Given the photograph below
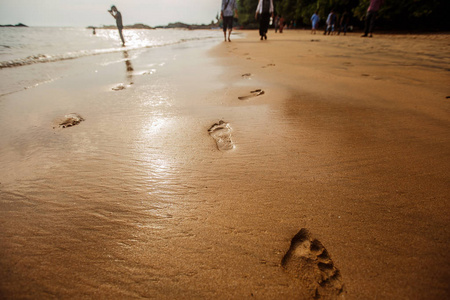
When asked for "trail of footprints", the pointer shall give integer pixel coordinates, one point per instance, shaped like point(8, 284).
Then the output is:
point(308, 261)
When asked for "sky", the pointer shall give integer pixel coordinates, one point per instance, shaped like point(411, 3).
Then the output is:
point(81, 13)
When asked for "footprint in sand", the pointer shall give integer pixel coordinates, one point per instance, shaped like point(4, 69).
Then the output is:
point(254, 93)
point(246, 75)
point(309, 261)
point(221, 133)
point(119, 87)
point(269, 65)
point(71, 120)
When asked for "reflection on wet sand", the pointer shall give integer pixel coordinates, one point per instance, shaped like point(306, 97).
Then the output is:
point(129, 67)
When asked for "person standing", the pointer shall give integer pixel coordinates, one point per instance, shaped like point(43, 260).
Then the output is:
point(227, 13)
point(315, 22)
point(281, 24)
point(343, 23)
point(265, 11)
point(276, 22)
point(371, 15)
point(331, 21)
point(118, 16)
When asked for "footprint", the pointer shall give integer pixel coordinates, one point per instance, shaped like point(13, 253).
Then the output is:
point(365, 75)
point(269, 65)
point(221, 133)
point(309, 261)
point(246, 75)
point(71, 120)
point(119, 87)
point(254, 93)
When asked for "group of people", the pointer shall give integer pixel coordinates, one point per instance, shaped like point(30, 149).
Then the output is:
point(342, 23)
point(332, 22)
point(265, 11)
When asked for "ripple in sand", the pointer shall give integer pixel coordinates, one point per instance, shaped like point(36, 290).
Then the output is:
point(221, 133)
point(309, 261)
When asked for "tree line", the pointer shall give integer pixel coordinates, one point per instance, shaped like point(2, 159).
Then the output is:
point(394, 14)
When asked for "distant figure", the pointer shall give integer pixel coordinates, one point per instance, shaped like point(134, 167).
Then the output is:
point(93, 31)
point(276, 23)
point(118, 16)
point(371, 15)
point(343, 23)
point(265, 11)
point(229, 10)
point(281, 24)
point(315, 22)
point(331, 22)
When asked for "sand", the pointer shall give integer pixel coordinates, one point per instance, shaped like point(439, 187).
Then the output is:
point(180, 185)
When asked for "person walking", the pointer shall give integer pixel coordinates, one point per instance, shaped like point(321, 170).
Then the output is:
point(315, 22)
point(371, 15)
point(265, 11)
point(118, 16)
point(343, 23)
point(331, 21)
point(227, 13)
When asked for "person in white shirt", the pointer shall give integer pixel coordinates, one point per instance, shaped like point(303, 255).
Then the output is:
point(229, 10)
point(265, 11)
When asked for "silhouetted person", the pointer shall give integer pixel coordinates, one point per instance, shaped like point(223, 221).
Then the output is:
point(281, 24)
point(265, 11)
point(118, 16)
point(93, 31)
point(344, 23)
point(276, 23)
point(229, 10)
point(371, 15)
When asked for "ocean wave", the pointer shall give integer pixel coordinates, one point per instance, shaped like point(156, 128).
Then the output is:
point(46, 58)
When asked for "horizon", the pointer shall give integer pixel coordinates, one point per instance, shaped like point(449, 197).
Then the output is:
point(83, 13)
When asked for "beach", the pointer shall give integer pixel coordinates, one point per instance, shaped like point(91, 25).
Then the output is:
point(199, 161)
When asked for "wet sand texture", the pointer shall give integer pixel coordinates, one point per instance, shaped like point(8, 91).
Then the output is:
point(309, 262)
point(145, 206)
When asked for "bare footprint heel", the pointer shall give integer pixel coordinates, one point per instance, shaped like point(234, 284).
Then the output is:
point(309, 261)
point(221, 133)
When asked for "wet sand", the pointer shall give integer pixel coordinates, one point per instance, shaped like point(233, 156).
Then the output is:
point(148, 198)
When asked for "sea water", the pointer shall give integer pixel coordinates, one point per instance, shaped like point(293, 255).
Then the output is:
point(39, 45)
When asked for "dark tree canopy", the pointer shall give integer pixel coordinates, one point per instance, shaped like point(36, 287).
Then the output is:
point(394, 14)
